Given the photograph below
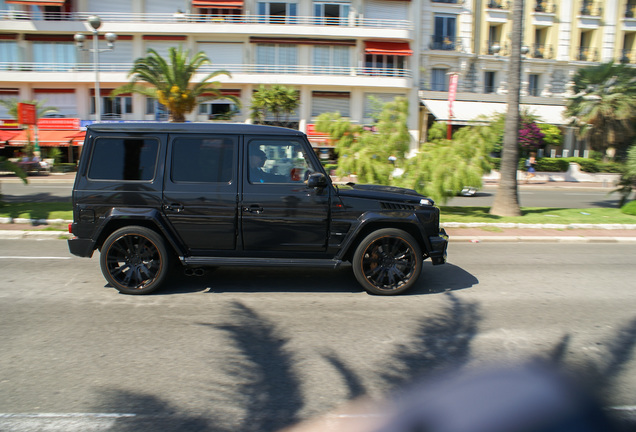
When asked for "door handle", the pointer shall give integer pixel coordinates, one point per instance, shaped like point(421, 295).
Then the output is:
point(174, 207)
point(254, 208)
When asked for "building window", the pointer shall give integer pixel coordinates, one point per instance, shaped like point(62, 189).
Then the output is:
point(277, 56)
point(392, 65)
point(533, 85)
point(277, 13)
point(218, 109)
point(54, 56)
point(323, 102)
point(330, 59)
point(113, 107)
point(489, 82)
point(8, 55)
point(331, 13)
point(153, 107)
point(494, 39)
point(373, 103)
point(439, 79)
point(445, 37)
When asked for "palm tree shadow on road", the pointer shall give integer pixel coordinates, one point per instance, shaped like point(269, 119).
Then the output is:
point(261, 379)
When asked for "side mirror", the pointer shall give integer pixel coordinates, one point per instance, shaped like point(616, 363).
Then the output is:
point(317, 180)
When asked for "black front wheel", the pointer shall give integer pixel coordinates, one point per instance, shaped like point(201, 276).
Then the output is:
point(134, 260)
point(387, 262)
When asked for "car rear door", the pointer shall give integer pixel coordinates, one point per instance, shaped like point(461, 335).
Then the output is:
point(201, 190)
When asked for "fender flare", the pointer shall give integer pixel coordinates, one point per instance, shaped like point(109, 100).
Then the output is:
point(125, 216)
point(382, 220)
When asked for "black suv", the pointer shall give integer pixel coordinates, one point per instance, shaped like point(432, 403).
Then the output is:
point(150, 194)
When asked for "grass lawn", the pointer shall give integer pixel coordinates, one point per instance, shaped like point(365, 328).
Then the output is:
point(539, 215)
point(54, 210)
point(531, 215)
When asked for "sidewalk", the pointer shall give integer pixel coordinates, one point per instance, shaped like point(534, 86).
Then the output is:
point(57, 229)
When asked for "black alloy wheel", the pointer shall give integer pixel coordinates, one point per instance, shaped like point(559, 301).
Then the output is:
point(134, 260)
point(387, 262)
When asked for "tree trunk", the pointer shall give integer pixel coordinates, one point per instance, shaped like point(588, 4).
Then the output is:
point(177, 117)
point(507, 199)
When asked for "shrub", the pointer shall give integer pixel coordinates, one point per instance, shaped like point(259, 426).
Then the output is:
point(551, 165)
point(629, 208)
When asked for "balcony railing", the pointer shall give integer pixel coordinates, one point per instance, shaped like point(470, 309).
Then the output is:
point(591, 9)
point(116, 17)
point(541, 51)
point(587, 54)
point(630, 10)
point(233, 69)
point(544, 6)
point(495, 48)
point(446, 43)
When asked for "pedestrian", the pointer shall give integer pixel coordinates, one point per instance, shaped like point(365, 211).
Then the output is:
point(530, 163)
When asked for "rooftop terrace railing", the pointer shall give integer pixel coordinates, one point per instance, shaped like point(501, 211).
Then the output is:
point(118, 17)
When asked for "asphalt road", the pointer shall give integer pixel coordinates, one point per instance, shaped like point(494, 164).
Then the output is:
point(536, 196)
point(245, 349)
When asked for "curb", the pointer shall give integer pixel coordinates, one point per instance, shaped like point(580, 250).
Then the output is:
point(58, 234)
point(34, 235)
point(541, 239)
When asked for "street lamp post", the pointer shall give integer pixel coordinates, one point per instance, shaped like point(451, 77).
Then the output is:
point(95, 22)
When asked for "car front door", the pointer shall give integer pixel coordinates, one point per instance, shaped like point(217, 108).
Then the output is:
point(280, 215)
point(201, 191)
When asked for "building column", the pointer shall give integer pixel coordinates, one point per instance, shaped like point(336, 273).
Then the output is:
point(304, 108)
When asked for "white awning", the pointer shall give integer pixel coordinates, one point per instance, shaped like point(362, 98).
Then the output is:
point(470, 112)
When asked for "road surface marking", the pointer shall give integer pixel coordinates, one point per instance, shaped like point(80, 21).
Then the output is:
point(35, 257)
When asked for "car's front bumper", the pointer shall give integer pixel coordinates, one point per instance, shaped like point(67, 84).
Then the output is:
point(439, 244)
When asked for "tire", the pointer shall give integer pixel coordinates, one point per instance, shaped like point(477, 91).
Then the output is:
point(387, 262)
point(135, 260)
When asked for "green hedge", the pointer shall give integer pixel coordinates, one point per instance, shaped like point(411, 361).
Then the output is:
point(629, 208)
point(562, 164)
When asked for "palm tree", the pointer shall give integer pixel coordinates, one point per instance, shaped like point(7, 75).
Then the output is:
point(170, 81)
point(507, 199)
point(604, 105)
point(278, 100)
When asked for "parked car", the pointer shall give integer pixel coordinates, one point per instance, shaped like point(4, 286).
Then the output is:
point(149, 195)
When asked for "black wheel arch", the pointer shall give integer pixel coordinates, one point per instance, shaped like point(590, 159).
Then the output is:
point(409, 224)
point(151, 219)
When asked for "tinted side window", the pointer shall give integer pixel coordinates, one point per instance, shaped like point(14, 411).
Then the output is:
point(203, 160)
point(278, 161)
point(124, 159)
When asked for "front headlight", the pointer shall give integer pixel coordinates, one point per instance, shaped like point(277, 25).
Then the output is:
point(427, 202)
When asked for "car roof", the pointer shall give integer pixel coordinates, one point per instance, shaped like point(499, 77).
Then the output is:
point(233, 128)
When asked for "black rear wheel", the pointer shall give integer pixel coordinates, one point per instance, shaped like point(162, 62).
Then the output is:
point(387, 262)
point(134, 260)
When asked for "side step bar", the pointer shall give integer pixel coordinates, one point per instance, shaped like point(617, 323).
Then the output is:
point(259, 262)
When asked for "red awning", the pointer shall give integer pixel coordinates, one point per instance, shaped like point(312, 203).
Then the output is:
point(6, 135)
point(46, 138)
point(388, 48)
point(37, 2)
point(217, 4)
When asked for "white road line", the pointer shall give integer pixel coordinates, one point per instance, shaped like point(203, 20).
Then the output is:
point(67, 415)
point(35, 257)
point(623, 408)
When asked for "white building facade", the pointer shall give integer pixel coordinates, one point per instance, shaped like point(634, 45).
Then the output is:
point(338, 54)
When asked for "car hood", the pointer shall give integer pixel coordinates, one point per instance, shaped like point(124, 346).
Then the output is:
point(384, 193)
